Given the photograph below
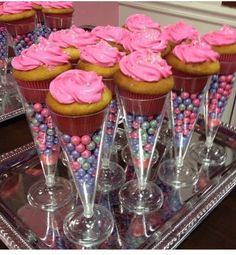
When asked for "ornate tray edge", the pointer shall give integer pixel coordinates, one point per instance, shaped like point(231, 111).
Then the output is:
point(12, 114)
point(10, 237)
point(15, 152)
point(180, 230)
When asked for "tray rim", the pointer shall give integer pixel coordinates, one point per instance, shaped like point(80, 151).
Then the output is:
point(170, 240)
point(12, 114)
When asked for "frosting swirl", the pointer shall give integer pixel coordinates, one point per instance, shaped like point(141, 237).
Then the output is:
point(110, 33)
point(44, 53)
point(145, 39)
point(14, 7)
point(101, 54)
point(225, 36)
point(77, 86)
point(138, 22)
point(180, 31)
point(75, 37)
point(57, 5)
point(196, 52)
point(144, 65)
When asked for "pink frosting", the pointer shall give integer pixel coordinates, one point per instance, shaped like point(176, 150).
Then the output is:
point(57, 5)
point(138, 22)
point(44, 53)
point(145, 39)
point(75, 37)
point(101, 54)
point(196, 52)
point(14, 7)
point(145, 65)
point(77, 86)
point(180, 31)
point(225, 36)
point(110, 33)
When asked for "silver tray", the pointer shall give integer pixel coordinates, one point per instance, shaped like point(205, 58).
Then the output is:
point(181, 213)
point(10, 102)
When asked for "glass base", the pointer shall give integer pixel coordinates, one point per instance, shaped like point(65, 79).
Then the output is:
point(126, 156)
point(215, 156)
point(186, 177)
point(89, 232)
point(141, 201)
point(112, 178)
point(51, 198)
point(120, 139)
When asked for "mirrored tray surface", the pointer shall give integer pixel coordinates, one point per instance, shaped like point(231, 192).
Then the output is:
point(22, 226)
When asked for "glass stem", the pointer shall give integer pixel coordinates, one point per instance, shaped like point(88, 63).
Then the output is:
point(49, 173)
point(3, 72)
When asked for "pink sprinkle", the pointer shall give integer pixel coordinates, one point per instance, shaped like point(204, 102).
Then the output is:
point(85, 139)
point(184, 95)
point(38, 107)
point(80, 148)
point(75, 140)
point(86, 154)
point(178, 129)
point(45, 112)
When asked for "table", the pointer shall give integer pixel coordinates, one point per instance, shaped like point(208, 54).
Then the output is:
point(218, 230)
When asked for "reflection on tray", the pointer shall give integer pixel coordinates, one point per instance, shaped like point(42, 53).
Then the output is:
point(10, 102)
point(182, 210)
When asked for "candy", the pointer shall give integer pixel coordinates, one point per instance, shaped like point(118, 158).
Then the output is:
point(45, 137)
point(83, 158)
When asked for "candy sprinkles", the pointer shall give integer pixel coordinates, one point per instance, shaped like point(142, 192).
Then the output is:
point(24, 41)
point(218, 95)
point(3, 43)
point(186, 107)
point(44, 132)
point(83, 157)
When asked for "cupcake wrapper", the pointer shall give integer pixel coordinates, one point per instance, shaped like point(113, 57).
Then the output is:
point(34, 91)
point(227, 64)
point(82, 125)
point(194, 84)
point(22, 26)
point(58, 21)
point(139, 107)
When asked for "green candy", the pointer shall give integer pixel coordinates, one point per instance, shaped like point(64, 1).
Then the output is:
point(182, 107)
point(144, 138)
point(153, 124)
point(145, 125)
point(151, 131)
point(96, 139)
point(190, 107)
point(81, 160)
point(86, 166)
point(50, 131)
point(91, 146)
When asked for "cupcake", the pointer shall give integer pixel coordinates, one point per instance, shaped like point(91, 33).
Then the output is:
point(143, 75)
point(139, 22)
point(58, 15)
point(37, 6)
point(178, 33)
point(113, 35)
point(72, 40)
point(19, 19)
point(223, 41)
point(77, 93)
point(37, 66)
point(146, 39)
point(15, 12)
point(196, 58)
point(100, 58)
